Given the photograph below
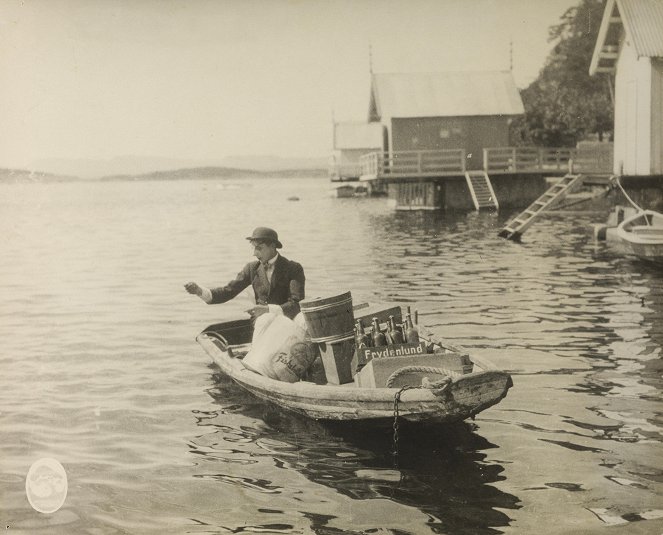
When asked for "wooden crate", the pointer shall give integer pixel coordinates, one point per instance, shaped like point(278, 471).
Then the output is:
point(378, 370)
point(366, 354)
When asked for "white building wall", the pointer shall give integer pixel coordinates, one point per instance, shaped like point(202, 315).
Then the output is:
point(644, 120)
point(624, 74)
point(633, 121)
point(346, 163)
point(657, 117)
point(351, 156)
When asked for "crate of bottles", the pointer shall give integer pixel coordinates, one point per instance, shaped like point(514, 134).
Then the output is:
point(365, 354)
point(385, 337)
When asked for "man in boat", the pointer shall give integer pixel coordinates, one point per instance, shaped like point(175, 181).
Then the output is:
point(278, 283)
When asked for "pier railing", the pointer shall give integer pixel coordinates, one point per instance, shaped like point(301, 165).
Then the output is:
point(420, 163)
point(496, 160)
point(594, 157)
point(526, 159)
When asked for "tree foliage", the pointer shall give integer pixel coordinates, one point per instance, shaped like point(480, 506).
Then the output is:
point(565, 104)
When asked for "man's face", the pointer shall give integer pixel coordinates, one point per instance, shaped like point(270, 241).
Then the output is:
point(263, 251)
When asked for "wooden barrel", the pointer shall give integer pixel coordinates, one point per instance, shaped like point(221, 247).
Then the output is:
point(329, 319)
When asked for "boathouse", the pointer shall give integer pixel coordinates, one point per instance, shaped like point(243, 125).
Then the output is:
point(351, 141)
point(448, 137)
point(445, 110)
point(630, 47)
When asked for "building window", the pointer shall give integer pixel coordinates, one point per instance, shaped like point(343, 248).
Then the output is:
point(444, 133)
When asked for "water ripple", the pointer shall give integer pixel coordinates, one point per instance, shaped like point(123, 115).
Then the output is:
point(101, 370)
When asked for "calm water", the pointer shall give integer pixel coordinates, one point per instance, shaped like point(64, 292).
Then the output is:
point(100, 369)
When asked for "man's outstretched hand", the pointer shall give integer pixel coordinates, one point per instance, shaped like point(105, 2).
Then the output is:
point(193, 288)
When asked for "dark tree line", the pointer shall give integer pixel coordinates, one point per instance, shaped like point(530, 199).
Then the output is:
point(565, 104)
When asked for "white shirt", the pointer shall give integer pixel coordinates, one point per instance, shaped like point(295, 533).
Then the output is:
point(269, 270)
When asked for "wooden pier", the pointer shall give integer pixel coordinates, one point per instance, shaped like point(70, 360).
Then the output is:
point(442, 179)
point(452, 162)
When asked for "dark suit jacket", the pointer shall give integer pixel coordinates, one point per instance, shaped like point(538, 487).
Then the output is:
point(286, 288)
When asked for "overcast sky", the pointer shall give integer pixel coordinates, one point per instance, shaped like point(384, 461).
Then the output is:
point(202, 79)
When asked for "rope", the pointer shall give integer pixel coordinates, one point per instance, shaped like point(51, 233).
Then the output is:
point(437, 387)
point(423, 369)
point(619, 184)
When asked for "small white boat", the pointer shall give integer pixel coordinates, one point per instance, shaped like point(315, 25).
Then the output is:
point(642, 234)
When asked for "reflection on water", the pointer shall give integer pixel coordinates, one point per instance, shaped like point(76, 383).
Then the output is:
point(101, 370)
point(442, 472)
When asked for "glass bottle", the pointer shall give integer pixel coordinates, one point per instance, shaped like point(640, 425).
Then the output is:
point(395, 334)
point(361, 338)
point(358, 338)
point(379, 339)
point(411, 332)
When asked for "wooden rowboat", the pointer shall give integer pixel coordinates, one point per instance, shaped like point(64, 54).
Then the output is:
point(453, 399)
point(642, 234)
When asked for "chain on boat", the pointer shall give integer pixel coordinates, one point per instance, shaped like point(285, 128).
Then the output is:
point(438, 387)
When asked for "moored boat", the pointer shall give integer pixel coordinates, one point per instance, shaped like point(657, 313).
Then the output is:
point(443, 396)
point(642, 234)
point(346, 190)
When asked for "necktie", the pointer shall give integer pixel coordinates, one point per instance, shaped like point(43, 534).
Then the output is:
point(265, 266)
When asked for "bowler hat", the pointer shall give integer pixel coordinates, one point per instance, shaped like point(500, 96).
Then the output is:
point(267, 234)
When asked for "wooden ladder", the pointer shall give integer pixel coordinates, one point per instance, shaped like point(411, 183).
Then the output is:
point(481, 190)
point(517, 226)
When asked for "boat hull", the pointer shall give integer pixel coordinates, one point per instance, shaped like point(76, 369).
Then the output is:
point(653, 253)
point(464, 397)
point(642, 235)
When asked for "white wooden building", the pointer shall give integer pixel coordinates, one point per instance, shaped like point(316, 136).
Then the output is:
point(351, 141)
point(630, 47)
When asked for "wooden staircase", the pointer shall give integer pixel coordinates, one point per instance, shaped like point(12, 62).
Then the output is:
point(481, 190)
point(517, 226)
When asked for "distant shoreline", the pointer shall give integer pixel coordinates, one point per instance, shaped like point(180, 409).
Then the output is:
point(196, 173)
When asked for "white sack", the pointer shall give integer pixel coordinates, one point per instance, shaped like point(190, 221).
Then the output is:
point(279, 349)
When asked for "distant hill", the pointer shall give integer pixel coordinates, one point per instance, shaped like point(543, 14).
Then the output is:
point(274, 163)
point(197, 173)
point(143, 165)
point(192, 173)
point(188, 174)
point(297, 173)
point(23, 175)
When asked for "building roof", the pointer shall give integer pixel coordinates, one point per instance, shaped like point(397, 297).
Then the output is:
point(640, 21)
point(355, 135)
point(444, 94)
